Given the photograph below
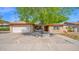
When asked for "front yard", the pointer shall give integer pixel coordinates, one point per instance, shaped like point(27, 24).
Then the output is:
point(72, 35)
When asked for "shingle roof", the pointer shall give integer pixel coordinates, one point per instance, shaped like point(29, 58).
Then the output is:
point(74, 23)
point(20, 23)
point(55, 24)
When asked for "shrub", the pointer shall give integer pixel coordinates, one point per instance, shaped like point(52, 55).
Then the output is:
point(70, 29)
point(4, 28)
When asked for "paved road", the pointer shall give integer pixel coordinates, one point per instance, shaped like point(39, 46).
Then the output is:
point(19, 42)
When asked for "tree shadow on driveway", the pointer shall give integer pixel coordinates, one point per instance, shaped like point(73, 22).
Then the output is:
point(38, 34)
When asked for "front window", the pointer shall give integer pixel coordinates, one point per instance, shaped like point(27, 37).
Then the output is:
point(56, 27)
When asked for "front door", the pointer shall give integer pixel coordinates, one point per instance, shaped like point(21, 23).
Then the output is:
point(37, 27)
point(46, 28)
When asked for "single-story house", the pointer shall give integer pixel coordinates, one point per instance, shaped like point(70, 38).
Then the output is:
point(4, 23)
point(21, 27)
point(25, 27)
point(4, 26)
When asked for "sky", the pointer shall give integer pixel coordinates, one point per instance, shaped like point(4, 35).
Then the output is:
point(74, 17)
point(9, 14)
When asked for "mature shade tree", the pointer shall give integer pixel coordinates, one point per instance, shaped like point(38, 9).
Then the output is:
point(47, 15)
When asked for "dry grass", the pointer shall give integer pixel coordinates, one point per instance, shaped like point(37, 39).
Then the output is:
point(72, 35)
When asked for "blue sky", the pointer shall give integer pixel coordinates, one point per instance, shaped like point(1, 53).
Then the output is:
point(9, 14)
point(74, 17)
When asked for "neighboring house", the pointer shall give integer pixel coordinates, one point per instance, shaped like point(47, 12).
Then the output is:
point(4, 26)
point(4, 23)
point(21, 27)
point(74, 26)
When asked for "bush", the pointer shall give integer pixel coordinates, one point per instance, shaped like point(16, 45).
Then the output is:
point(70, 29)
point(4, 28)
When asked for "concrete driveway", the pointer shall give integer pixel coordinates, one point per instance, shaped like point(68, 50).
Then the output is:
point(20, 42)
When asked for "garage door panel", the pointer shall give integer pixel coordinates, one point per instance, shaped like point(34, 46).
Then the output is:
point(21, 29)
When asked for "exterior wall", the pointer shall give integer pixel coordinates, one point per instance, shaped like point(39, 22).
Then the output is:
point(52, 30)
point(21, 29)
point(65, 28)
point(76, 29)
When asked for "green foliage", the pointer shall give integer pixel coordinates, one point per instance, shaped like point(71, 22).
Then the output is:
point(4, 28)
point(3, 21)
point(48, 15)
point(70, 29)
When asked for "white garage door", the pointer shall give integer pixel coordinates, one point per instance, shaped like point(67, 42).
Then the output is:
point(21, 29)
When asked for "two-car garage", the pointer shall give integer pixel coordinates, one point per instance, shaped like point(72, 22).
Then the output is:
point(21, 27)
